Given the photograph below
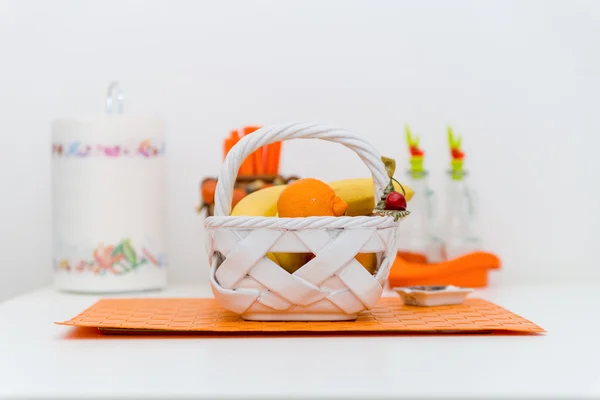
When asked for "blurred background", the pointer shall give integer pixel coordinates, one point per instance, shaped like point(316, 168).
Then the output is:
point(518, 79)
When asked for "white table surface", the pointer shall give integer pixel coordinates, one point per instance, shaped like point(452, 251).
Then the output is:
point(38, 360)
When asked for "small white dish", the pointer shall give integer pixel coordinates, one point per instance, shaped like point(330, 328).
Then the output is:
point(430, 296)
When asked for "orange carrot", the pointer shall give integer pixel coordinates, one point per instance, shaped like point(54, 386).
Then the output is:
point(269, 160)
point(255, 166)
point(265, 159)
point(247, 168)
point(275, 157)
point(230, 142)
point(258, 161)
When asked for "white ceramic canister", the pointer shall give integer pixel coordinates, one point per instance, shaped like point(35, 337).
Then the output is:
point(108, 199)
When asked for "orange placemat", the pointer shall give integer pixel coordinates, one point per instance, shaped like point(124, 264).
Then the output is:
point(390, 315)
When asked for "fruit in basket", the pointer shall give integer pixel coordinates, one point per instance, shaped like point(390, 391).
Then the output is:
point(307, 197)
point(262, 203)
point(310, 197)
point(359, 194)
point(395, 201)
point(367, 260)
point(291, 262)
point(273, 257)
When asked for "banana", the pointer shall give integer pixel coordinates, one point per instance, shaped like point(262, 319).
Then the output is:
point(291, 262)
point(263, 203)
point(368, 260)
point(359, 194)
point(273, 257)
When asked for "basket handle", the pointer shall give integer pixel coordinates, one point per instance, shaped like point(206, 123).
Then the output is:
point(295, 130)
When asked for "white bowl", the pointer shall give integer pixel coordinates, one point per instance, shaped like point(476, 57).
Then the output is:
point(429, 296)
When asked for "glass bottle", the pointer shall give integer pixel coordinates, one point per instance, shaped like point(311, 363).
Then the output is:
point(416, 236)
point(458, 226)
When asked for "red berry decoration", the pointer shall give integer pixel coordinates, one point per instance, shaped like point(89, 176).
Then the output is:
point(415, 151)
point(457, 154)
point(395, 201)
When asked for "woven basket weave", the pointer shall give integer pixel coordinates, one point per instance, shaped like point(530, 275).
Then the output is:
point(333, 285)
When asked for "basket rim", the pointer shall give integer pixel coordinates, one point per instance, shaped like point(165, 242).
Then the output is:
point(328, 222)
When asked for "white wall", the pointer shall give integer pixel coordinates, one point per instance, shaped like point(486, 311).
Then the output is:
point(519, 79)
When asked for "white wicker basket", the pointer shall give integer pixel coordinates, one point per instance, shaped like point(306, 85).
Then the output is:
point(333, 285)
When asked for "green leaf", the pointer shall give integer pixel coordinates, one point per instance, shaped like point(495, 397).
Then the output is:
point(129, 253)
point(412, 141)
point(408, 137)
point(390, 166)
point(117, 250)
point(452, 140)
point(394, 213)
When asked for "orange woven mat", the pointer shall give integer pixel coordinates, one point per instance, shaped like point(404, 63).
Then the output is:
point(390, 315)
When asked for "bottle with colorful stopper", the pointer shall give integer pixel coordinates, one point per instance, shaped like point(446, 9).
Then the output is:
point(416, 237)
point(458, 225)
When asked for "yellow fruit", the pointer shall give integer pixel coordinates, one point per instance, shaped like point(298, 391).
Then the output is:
point(263, 203)
point(368, 260)
point(360, 196)
point(291, 262)
point(272, 257)
point(357, 193)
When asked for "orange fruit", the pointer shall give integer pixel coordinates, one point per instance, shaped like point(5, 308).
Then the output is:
point(208, 191)
point(310, 197)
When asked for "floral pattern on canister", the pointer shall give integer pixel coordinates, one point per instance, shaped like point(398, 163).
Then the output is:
point(114, 260)
point(146, 149)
